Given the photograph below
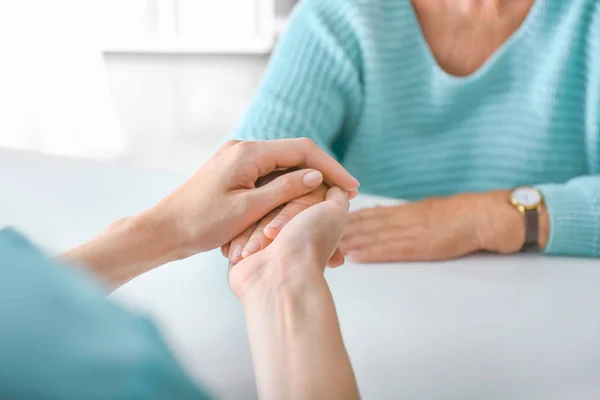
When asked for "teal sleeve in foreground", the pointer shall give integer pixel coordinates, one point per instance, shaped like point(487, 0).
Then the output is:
point(61, 339)
point(574, 210)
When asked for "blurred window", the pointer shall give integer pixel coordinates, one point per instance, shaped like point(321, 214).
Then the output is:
point(181, 26)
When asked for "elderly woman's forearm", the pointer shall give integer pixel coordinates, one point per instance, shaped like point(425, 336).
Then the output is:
point(569, 222)
point(502, 228)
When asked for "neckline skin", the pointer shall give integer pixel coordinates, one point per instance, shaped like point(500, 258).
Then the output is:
point(463, 38)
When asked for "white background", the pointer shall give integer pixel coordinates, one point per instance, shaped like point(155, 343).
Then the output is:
point(60, 94)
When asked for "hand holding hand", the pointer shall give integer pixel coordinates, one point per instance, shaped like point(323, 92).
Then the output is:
point(261, 234)
point(290, 315)
point(300, 251)
point(222, 199)
point(217, 204)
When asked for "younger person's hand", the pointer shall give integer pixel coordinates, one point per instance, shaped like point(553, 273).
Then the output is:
point(262, 233)
point(222, 199)
point(292, 325)
point(217, 204)
point(301, 250)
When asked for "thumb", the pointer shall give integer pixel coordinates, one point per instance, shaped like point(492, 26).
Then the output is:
point(329, 221)
point(336, 217)
point(338, 196)
point(283, 189)
point(319, 227)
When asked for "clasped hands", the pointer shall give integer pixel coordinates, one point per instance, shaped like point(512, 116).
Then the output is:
point(241, 184)
point(246, 181)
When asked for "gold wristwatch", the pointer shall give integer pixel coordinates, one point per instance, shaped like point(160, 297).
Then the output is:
point(529, 201)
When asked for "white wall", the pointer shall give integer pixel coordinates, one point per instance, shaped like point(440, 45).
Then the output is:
point(54, 94)
point(175, 109)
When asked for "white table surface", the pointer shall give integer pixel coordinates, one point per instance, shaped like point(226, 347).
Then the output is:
point(485, 327)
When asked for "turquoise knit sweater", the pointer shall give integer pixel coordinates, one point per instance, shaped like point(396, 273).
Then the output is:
point(358, 78)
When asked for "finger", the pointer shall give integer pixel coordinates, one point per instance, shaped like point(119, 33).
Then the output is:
point(338, 196)
point(238, 244)
point(290, 210)
point(358, 241)
point(388, 251)
point(336, 207)
point(293, 208)
point(276, 174)
point(262, 181)
point(302, 153)
point(283, 190)
point(374, 213)
point(388, 233)
point(225, 250)
point(361, 223)
point(368, 231)
point(258, 240)
point(336, 260)
point(228, 144)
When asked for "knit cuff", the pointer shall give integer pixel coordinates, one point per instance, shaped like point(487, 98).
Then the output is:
point(574, 221)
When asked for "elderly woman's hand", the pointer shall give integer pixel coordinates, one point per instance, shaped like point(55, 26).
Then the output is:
point(436, 229)
point(313, 234)
point(428, 230)
point(261, 234)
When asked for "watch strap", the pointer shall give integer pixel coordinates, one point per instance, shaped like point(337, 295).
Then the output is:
point(531, 230)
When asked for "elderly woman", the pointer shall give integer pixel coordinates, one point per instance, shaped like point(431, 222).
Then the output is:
point(451, 104)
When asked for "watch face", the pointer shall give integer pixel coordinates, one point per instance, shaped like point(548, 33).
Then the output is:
point(527, 197)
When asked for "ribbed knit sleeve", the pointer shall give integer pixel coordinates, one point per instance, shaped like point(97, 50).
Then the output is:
point(574, 207)
point(574, 210)
point(312, 87)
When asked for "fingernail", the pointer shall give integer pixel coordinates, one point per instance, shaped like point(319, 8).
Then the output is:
point(312, 179)
point(275, 224)
point(251, 248)
point(353, 194)
point(235, 253)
